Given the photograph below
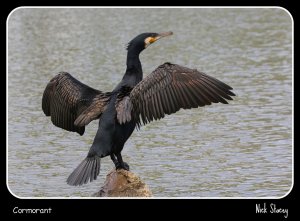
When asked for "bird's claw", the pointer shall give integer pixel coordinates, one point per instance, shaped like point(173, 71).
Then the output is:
point(124, 166)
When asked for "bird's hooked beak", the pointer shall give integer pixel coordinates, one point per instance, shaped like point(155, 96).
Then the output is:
point(151, 40)
point(164, 34)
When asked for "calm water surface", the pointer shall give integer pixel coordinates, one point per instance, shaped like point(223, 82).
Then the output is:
point(243, 149)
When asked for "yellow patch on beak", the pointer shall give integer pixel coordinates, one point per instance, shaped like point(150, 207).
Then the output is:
point(150, 40)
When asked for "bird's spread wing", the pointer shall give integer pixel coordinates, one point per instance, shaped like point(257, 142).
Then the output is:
point(169, 88)
point(124, 105)
point(72, 104)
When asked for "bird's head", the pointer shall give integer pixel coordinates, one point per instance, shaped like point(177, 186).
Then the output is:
point(142, 41)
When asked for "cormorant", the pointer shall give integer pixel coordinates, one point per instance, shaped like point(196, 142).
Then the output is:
point(134, 101)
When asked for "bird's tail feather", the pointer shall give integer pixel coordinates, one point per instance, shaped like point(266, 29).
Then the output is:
point(87, 170)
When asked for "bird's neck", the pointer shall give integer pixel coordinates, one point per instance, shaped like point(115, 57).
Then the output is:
point(133, 62)
point(134, 68)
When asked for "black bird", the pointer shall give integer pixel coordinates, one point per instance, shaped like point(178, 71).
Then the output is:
point(134, 101)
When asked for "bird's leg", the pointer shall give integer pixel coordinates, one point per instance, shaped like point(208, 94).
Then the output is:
point(121, 164)
point(114, 159)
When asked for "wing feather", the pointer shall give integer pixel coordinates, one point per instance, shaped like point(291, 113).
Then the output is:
point(171, 87)
point(72, 104)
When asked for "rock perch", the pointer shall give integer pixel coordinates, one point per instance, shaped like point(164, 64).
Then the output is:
point(123, 183)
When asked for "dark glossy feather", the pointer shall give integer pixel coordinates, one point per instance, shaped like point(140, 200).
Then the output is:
point(72, 104)
point(86, 171)
point(169, 88)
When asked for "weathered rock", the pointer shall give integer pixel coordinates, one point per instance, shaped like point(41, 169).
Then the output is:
point(123, 183)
